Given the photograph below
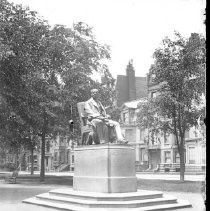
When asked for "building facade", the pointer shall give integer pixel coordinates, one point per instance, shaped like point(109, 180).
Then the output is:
point(59, 156)
point(131, 132)
point(169, 159)
point(161, 154)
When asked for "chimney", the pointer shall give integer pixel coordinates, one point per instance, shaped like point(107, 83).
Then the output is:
point(130, 73)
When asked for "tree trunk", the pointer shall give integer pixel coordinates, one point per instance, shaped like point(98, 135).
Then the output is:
point(17, 159)
point(44, 129)
point(42, 172)
point(182, 161)
point(32, 160)
point(148, 156)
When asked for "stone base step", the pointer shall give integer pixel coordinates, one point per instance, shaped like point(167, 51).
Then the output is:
point(63, 200)
point(139, 195)
point(106, 204)
point(179, 205)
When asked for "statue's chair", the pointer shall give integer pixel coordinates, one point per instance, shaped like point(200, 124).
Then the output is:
point(88, 135)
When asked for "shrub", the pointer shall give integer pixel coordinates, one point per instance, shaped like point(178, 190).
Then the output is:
point(8, 166)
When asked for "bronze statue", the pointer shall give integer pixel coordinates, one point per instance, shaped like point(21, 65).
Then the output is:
point(104, 130)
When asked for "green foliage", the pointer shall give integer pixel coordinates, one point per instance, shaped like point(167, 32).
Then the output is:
point(48, 69)
point(179, 69)
point(179, 73)
point(8, 166)
point(114, 113)
point(44, 72)
point(148, 118)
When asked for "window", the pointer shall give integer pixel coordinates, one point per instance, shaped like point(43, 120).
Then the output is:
point(72, 159)
point(125, 117)
point(144, 155)
point(46, 161)
point(168, 157)
point(48, 146)
point(132, 114)
point(68, 156)
point(153, 94)
point(195, 133)
point(10, 159)
point(128, 134)
point(142, 135)
point(192, 155)
point(203, 154)
point(166, 138)
point(152, 78)
point(177, 157)
point(61, 139)
point(186, 135)
point(62, 156)
point(56, 156)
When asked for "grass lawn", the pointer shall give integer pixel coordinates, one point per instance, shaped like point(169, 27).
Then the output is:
point(145, 184)
point(169, 185)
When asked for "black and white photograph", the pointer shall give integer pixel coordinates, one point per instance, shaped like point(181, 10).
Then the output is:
point(102, 105)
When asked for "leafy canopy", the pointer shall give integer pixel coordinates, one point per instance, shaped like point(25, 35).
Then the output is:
point(178, 73)
point(46, 70)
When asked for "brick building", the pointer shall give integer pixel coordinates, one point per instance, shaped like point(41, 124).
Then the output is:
point(129, 87)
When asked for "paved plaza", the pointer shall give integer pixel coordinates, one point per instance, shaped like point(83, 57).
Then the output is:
point(11, 195)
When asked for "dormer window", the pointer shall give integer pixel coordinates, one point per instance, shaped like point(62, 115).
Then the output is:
point(153, 94)
point(195, 133)
point(125, 117)
point(132, 114)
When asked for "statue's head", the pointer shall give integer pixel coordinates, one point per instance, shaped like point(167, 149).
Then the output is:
point(94, 94)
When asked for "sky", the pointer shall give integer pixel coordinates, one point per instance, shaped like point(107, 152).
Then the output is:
point(132, 28)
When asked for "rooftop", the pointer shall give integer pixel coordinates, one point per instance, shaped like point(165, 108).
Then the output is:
point(133, 103)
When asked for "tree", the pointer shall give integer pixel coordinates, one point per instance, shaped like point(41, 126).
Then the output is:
point(45, 70)
point(148, 120)
point(25, 65)
point(179, 70)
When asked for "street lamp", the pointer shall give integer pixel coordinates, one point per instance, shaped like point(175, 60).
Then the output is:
point(71, 125)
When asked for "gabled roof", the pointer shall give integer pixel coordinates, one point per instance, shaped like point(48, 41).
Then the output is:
point(133, 103)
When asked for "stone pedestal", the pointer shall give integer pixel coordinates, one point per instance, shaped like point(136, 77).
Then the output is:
point(108, 168)
point(105, 179)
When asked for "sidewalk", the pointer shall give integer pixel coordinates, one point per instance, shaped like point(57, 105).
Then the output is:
point(170, 177)
point(11, 197)
point(139, 175)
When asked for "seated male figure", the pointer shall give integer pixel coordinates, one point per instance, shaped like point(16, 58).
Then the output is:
point(99, 119)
